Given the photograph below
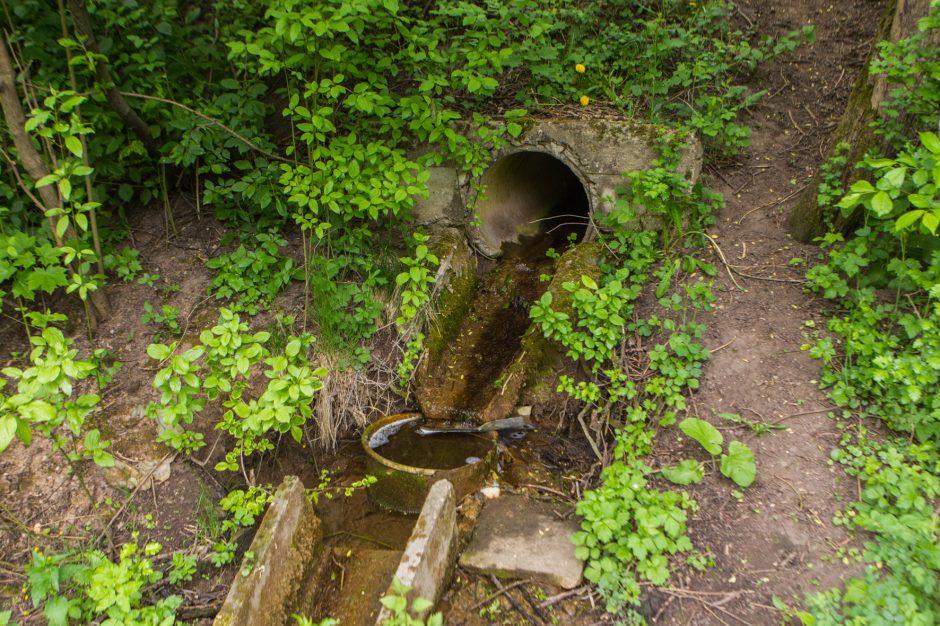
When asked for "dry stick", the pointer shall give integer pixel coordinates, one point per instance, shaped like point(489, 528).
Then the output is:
point(587, 434)
point(698, 597)
point(211, 120)
point(795, 125)
point(721, 255)
point(562, 596)
point(547, 490)
point(771, 204)
point(530, 618)
point(792, 415)
point(498, 593)
point(723, 346)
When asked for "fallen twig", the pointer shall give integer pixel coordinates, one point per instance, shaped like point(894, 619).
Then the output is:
point(555, 599)
point(771, 204)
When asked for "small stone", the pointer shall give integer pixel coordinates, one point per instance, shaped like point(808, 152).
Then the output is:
point(490, 492)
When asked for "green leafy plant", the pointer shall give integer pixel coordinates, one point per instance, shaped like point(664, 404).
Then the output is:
point(738, 464)
point(167, 317)
point(701, 431)
point(83, 587)
point(686, 472)
point(907, 189)
point(252, 275)
point(415, 282)
point(628, 531)
point(220, 367)
point(45, 401)
point(400, 614)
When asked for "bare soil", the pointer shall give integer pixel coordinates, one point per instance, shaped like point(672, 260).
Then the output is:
point(776, 540)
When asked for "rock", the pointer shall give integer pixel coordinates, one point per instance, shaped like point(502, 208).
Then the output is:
point(124, 476)
point(428, 560)
point(287, 551)
point(520, 538)
point(443, 207)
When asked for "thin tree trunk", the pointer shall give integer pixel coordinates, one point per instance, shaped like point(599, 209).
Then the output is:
point(807, 220)
point(130, 118)
point(30, 158)
point(86, 158)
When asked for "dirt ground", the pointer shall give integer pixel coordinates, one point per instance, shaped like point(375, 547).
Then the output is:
point(777, 540)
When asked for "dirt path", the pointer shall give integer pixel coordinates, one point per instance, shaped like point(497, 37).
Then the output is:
point(779, 539)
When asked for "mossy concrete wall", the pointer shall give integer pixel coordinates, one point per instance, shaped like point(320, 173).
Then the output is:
point(598, 152)
point(428, 561)
point(287, 553)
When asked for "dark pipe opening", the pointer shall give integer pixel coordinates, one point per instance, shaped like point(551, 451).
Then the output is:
point(530, 197)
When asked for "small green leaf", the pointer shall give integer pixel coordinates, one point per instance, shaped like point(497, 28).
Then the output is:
point(738, 464)
point(74, 145)
point(704, 433)
point(588, 282)
point(7, 431)
point(687, 472)
point(905, 221)
point(881, 204)
point(931, 142)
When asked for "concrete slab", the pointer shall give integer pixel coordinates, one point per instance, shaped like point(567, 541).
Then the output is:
point(428, 561)
point(363, 573)
point(287, 550)
point(520, 538)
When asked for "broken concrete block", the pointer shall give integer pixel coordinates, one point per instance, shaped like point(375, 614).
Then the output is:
point(287, 549)
point(443, 208)
point(428, 560)
point(519, 538)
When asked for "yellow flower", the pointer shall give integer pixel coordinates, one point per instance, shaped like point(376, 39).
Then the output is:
point(579, 68)
point(585, 101)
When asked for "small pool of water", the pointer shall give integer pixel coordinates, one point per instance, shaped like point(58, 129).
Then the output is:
point(400, 443)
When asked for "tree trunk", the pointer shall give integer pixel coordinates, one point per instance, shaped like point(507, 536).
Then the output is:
point(807, 219)
point(117, 101)
point(899, 20)
point(32, 162)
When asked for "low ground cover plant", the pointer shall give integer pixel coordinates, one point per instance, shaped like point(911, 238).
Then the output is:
point(881, 358)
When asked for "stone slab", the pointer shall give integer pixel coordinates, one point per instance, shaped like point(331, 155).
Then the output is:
point(519, 538)
point(443, 208)
point(287, 550)
point(428, 560)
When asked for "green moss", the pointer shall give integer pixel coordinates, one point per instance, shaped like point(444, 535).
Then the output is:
point(452, 302)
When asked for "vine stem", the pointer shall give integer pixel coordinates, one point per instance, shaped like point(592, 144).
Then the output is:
point(211, 120)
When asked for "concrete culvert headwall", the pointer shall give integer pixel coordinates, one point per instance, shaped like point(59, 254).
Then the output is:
point(528, 193)
point(553, 167)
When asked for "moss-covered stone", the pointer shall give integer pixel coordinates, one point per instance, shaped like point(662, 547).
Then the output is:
point(288, 550)
point(543, 354)
point(455, 285)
